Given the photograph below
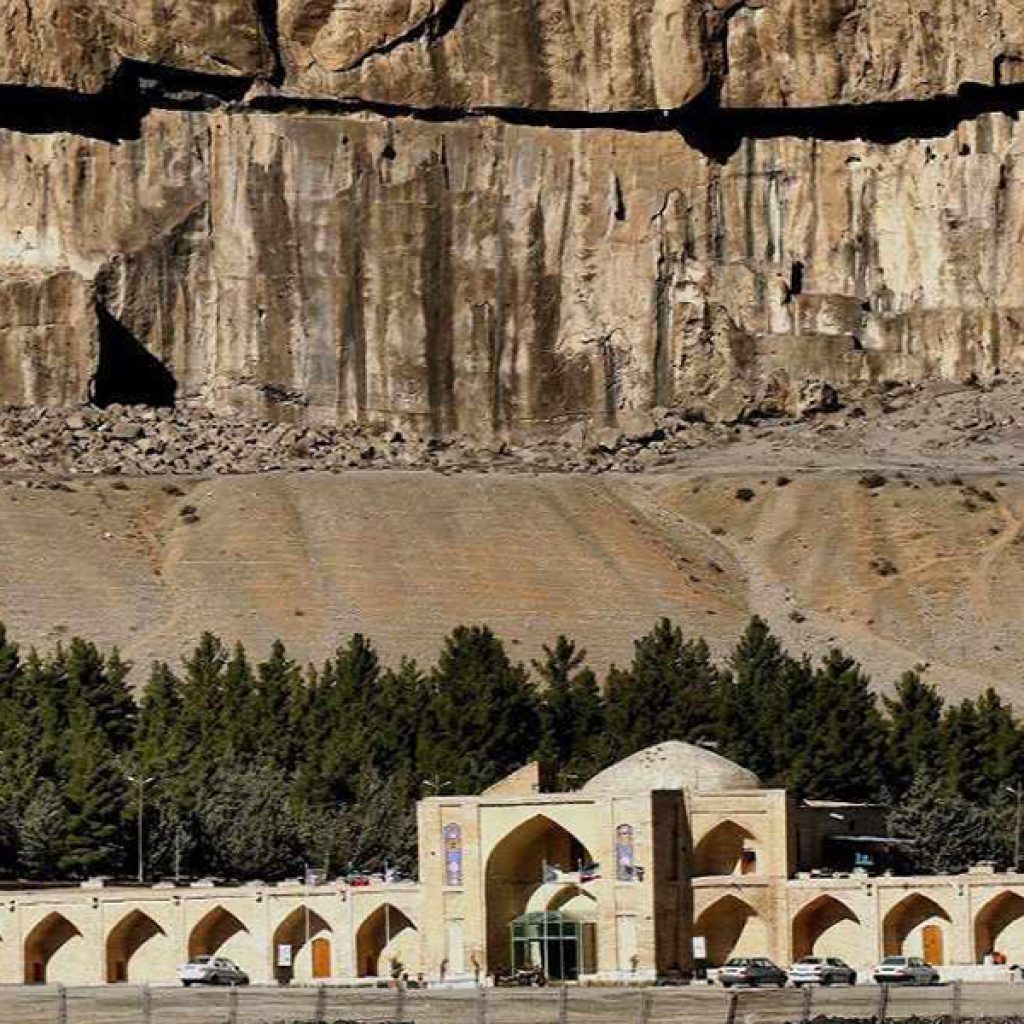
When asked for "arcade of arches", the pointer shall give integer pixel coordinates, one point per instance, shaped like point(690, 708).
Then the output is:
point(670, 855)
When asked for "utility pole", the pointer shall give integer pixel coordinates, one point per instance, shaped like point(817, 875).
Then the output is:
point(142, 783)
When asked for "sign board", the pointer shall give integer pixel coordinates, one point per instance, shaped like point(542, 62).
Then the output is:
point(700, 947)
point(284, 956)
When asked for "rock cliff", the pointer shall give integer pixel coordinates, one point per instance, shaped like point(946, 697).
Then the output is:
point(500, 215)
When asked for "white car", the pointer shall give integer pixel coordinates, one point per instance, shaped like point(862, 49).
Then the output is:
point(212, 970)
point(905, 970)
point(822, 970)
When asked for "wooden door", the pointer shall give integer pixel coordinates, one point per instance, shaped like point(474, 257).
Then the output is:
point(321, 958)
point(931, 939)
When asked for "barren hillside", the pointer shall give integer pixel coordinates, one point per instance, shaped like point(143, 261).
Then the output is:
point(915, 570)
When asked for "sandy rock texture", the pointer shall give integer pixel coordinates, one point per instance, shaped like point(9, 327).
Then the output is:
point(78, 45)
point(481, 276)
point(501, 217)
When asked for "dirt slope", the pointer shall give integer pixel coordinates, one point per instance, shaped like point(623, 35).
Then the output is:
point(912, 571)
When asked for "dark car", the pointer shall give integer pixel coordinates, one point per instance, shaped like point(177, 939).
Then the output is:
point(752, 971)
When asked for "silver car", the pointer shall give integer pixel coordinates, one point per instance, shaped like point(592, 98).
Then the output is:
point(905, 970)
point(212, 970)
point(822, 970)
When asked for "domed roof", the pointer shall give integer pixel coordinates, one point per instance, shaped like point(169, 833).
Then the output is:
point(673, 765)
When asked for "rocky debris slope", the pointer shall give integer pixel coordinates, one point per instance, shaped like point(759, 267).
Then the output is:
point(494, 217)
point(944, 426)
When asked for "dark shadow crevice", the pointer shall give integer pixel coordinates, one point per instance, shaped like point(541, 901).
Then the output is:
point(127, 373)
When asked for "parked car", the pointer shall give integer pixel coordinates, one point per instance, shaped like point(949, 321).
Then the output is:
point(822, 970)
point(212, 970)
point(752, 971)
point(905, 970)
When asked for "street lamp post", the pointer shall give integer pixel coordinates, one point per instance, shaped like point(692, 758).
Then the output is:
point(142, 782)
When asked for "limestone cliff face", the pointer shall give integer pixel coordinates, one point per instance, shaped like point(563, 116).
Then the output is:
point(498, 216)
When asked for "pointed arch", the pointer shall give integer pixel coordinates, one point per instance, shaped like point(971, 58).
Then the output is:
point(999, 927)
point(214, 931)
point(137, 950)
point(516, 869)
point(731, 927)
point(384, 934)
point(826, 927)
point(913, 921)
point(298, 931)
point(727, 849)
point(45, 948)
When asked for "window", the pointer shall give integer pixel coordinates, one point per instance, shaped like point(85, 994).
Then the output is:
point(625, 867)
point(452, 855)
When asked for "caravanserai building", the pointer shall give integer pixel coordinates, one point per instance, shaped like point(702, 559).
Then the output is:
point(672, 855)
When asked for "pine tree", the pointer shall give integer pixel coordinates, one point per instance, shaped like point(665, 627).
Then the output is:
point(42, 832)
point(949, 833)
point(668, 693)
point(914, 717)
point(96, 800)
point(101, 684)
point(571, 713)
point(845, 748)
point(481, 713)
point(752, 701)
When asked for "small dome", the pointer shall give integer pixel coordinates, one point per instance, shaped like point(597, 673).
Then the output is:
point(673, 765)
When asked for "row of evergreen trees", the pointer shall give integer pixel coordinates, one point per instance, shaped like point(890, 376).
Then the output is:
point(251, 771)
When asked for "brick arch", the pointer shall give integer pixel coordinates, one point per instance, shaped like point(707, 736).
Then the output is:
point(826, 926)
point(136, 950)
point(726, 849)
point(903, 926)
point(44, 945)
point(999, 926)
point(306, 932)
point(731, 927)
point(385, 931)
point(218, 931)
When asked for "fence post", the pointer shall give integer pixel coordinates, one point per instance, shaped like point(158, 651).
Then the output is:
point(883, 1003)
point(146, 1004)
point(320, 1014)
point(734, 1000)
point(400, 1003)
point(233, 1005)
point(481, 1005)
point(645, 1006)
point(808, 996)
point(563, 1005)
point(62, 1004)
point(958, 1001)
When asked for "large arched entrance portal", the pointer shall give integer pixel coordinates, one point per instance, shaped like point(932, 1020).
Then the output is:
point(385, 941)
point(999, 928)
point(302, 947)
point(47, 947)
point(731, 928)
point(519, 865)
point(917, 926)
point(826, 927)
point(138, 950)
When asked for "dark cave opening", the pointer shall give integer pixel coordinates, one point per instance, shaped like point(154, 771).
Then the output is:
point(127, 373)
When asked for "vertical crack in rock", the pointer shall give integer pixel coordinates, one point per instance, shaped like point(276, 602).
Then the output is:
point(433, 27)
point(269, 17)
